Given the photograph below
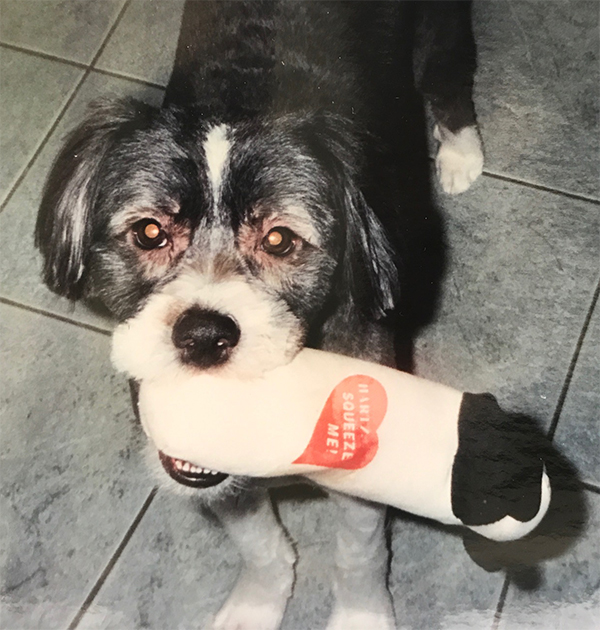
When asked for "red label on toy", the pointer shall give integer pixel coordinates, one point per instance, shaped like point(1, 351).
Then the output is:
point(346, 434)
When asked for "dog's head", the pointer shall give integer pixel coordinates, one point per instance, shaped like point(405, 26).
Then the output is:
point(218, 246)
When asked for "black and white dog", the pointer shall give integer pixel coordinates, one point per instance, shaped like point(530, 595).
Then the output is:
point(270, 204)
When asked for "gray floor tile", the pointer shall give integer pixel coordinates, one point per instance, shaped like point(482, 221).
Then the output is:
point(578, 432)
point(71, 29)
point(527, 130)
point(180, 567)
point(20, 263)
point(537, 91)
point(146, 26)
point(522, 266)
point(567, 596)
point(32, 93)
point(312, 524)
point(173, 574)
point(435, 583)
point(72, 475)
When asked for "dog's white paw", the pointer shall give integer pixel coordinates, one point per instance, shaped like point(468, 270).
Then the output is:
point(254, 604)
point(353, 619)
point(370, 608)
point(459, 161)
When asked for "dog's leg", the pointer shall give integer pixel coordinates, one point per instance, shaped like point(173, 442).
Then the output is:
point(444, 70)
point(265, 584)
point(362, 599)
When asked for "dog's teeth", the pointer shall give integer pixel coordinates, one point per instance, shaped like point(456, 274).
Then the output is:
point(192, 468)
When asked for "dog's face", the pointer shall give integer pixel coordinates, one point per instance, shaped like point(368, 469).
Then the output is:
point(217, 246)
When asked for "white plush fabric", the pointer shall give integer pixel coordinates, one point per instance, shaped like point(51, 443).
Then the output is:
point(352, 426)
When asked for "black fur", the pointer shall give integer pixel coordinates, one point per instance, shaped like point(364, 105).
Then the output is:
point(64, 226)
point(337, 70)
point(323, 112)
point(322, 101)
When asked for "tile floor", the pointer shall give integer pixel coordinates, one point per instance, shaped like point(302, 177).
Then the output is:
point(85, 540)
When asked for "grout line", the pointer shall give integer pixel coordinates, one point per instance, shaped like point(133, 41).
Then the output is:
point(548, 189)
point(572, 365)
point(55, 316)
point(66, 106)
point(88, 69)
point(44, 55)
point(83, 66)
point(43, 143)
point(590, 487)
point(120, 75)
point(528, 184)
point(557, 412)
point(501, 602)
point(132, 79)
point(113, 560)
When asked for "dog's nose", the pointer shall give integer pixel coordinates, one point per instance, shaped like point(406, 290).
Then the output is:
point(205, 338)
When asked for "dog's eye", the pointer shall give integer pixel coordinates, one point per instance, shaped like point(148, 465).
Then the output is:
point(148, 234)
point(279, 242)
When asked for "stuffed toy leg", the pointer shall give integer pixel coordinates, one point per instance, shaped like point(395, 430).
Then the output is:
point(361, 429)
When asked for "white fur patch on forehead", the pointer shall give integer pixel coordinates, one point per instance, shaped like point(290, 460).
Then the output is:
point(216, 149)
point(270, 334)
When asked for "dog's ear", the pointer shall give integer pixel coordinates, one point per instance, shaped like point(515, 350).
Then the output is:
point(368, 274)
point(64, 222)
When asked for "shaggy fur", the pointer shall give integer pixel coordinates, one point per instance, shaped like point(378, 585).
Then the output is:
point(278, 198)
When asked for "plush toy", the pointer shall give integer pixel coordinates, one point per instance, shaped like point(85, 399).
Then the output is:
point(361, 429)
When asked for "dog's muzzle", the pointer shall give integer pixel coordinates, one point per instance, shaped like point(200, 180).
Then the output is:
point(190, 475)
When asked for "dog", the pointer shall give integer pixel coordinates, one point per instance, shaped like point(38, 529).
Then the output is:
point(268, 205)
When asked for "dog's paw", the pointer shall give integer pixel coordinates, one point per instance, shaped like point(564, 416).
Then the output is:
point(356, 609)
point(247, 615)
point(353, 619)
point(255, 603)
point(459, 161)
